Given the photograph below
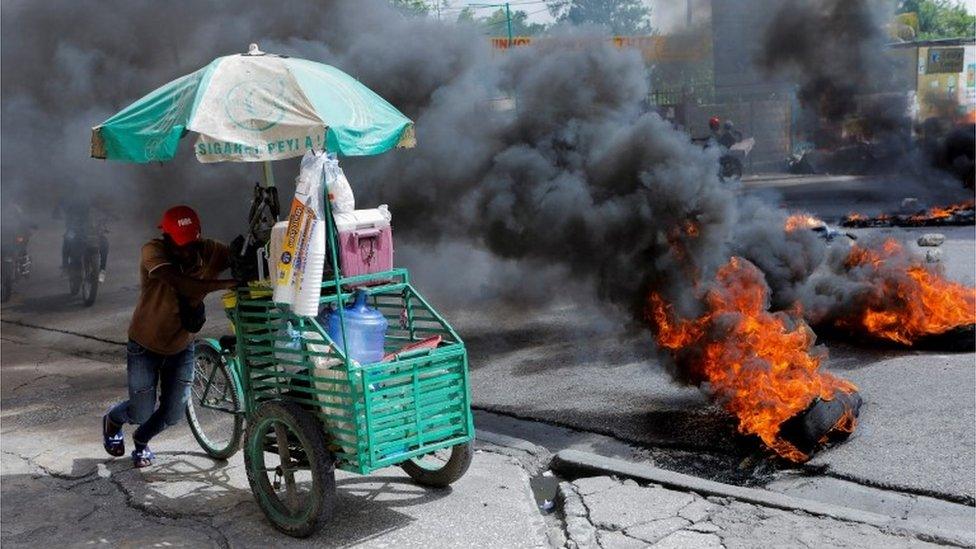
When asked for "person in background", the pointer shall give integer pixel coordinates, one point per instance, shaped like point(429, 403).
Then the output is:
point(177, 271)
point(81, 221)
point(729, 135)
point(714, 128)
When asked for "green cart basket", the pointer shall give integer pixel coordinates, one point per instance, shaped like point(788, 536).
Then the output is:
point(310, 410)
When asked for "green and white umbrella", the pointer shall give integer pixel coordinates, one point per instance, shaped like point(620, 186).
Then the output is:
point(255, 107)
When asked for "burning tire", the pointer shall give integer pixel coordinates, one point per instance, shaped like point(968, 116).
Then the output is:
point(823, 422)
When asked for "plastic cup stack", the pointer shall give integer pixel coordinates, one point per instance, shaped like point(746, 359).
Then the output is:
point(307, 298)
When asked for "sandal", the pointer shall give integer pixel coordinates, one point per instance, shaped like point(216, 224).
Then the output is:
point(142, 457)
point(114, 443)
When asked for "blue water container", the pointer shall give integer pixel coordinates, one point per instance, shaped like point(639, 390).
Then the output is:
point(365, 330)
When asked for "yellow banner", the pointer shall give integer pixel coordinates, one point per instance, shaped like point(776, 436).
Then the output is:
point(652, 48)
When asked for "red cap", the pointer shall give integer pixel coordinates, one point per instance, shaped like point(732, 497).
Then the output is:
point(714, 122)
point(182, 224)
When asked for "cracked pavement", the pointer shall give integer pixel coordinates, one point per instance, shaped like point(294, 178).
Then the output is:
point(607, 513)
point(59, 488)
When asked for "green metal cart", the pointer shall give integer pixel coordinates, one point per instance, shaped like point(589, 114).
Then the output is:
point(309, 410)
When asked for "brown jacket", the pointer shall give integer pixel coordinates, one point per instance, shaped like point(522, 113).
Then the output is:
point(156, 320)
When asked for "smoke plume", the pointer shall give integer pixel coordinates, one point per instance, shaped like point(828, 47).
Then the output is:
point(834, 49)
point(541, 155)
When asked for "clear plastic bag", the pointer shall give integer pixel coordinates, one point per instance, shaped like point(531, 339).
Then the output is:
point(340, 193)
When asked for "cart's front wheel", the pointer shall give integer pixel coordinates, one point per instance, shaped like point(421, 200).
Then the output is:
point(214, 410)
point(441, 468)
point(290, 471)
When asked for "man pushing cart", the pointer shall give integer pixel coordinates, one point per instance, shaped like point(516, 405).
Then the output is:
point(291, 384)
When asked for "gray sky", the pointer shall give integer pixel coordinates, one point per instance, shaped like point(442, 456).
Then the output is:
point(664, 13)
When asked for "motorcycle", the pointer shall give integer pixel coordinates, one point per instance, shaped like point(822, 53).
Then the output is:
point(733, 158)
point(83, 263)
point(16, 262)
point(731, 162)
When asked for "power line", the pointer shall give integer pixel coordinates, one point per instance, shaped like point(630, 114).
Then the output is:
point(526, 14)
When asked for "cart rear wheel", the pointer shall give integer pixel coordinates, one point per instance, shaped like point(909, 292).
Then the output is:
point(291, 473)
point(214, 410)
point(441, 468)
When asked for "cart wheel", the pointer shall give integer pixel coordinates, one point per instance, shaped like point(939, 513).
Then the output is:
point(214, 409)
point(441, 468)
point(291, 473)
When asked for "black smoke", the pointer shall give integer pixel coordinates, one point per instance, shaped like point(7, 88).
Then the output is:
point(835, 51)
point(539, 157)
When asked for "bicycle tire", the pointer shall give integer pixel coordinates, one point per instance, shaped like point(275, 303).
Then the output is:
point(208, 442)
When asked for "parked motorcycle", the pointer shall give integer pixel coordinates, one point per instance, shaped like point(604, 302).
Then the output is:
point(16, 261)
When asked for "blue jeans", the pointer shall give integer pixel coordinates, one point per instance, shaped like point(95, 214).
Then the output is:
point(146, 369)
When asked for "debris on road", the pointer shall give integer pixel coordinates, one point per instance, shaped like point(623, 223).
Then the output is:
point(931, 239)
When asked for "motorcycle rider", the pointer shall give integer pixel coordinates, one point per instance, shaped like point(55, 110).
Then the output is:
point(728, 136)
point(714, 128)
point(79, 222)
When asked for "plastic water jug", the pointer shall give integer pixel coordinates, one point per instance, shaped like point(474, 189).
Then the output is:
point(365, 330)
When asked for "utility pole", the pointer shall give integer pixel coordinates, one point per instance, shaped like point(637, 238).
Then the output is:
point(508, 18)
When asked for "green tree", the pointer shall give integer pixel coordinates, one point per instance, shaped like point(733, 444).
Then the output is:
point(940, 18)
point(496, 24)
point(520, 23)
point(625, 17)
point(467, 15)
point(412, 6)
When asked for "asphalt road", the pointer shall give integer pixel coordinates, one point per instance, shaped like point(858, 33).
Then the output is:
point(565, 363)
point(59, 488)
point(917, 431)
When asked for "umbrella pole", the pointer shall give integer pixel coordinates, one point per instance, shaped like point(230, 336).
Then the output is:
point(268, 175)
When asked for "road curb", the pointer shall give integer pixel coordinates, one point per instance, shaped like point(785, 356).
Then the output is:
point(509, 442)
point(576, 464)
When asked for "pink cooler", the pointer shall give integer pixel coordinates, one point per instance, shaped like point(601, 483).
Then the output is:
point(365, 241)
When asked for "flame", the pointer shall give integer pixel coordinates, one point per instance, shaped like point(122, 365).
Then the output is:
point(758, 364)
point(801, 221)
point(944, 212)
point(909, 298)
point(934, 214)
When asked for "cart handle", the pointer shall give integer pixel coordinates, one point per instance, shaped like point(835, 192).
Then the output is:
point(366, 233)
point(410, 354)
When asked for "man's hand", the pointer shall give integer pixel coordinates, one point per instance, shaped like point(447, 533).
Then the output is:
point(189, 286)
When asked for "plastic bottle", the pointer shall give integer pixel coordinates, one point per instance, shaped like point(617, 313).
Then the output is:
point(365, 330)
point(288, 344)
